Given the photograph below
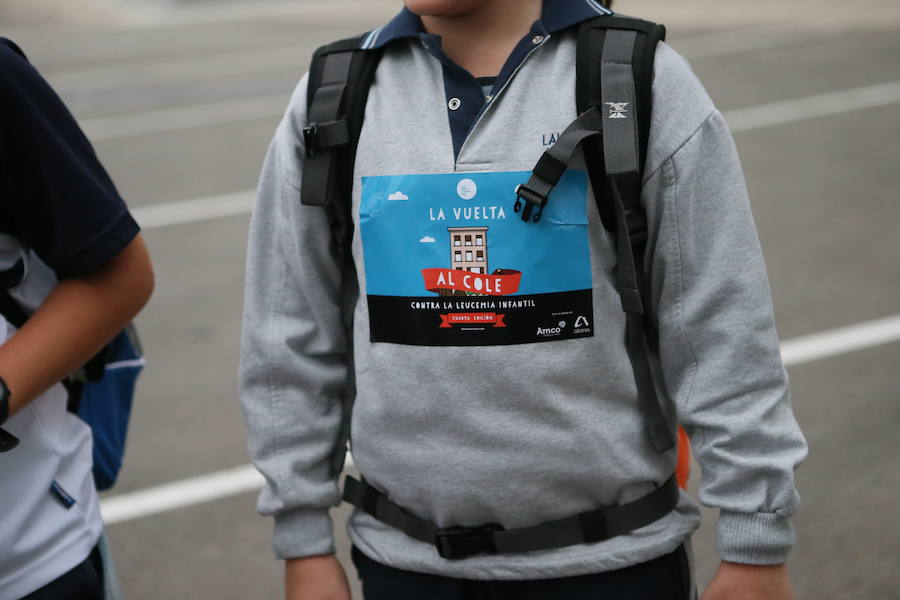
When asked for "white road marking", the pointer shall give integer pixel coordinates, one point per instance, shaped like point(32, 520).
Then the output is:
point(740, 120)
point(271, 107)
point(180, 494)
point(724, 43)
point(233, 64)
point(812, 107)
point(194, 210)
point(184, 117)
point(231, 482)
point(813, 347)
point(294, 58)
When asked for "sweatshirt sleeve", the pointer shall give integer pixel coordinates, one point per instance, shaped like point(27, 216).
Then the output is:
point(719, 351)
point(294, 349)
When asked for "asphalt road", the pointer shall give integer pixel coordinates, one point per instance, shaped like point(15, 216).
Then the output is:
point(824, 193)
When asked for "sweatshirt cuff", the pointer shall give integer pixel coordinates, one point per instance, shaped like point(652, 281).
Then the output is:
point(302, 533)
point(754, 538)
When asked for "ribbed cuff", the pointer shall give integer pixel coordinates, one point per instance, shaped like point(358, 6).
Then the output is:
point(754, 538)
point(302, 533)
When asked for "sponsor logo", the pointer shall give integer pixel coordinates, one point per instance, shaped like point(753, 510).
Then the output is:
point(582, 325)
point(466, 189)
point(618, 110)
point(548, 331)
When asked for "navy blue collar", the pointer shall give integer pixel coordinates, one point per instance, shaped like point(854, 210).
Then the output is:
point(556, 15)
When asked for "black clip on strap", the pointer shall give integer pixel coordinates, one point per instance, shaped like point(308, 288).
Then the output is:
point(325, 136)
point(7, 441)
point(454, 543)
point(532, 198)
point(553, 164)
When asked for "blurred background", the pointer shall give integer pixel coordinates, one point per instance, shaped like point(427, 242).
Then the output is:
point(181, 97)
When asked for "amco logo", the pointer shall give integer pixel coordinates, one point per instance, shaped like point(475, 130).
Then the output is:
point(549, 331)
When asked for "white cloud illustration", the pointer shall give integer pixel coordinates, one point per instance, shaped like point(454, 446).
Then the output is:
point(427, 240)
point(398, 196)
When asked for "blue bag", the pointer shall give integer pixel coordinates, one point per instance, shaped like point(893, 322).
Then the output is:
point(104, 402)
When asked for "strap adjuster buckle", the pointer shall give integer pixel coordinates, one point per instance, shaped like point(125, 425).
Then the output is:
point(311, 139)
point(454, 543)
point(636, 225)
point(532, 199)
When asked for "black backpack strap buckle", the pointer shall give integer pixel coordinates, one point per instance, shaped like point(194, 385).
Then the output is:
point(454, 543)
point(325, 136)
point(636, 222)
point(532, 198)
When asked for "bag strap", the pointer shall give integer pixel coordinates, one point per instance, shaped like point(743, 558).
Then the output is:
point(11, 310)
point(614, 104)
point(340, 76)
point(454, 543)
point(620, 83)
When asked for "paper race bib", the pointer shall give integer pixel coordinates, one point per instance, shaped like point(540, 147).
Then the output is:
point(448, 262)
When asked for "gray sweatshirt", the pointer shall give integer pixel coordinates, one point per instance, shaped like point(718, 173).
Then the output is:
point(519, 428)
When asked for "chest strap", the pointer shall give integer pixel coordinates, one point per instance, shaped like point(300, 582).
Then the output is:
point(458, 542)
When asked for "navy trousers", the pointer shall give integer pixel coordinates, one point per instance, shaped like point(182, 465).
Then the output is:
point(84, 582)
point(664, 578)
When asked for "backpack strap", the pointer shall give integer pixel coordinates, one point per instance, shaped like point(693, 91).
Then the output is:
point(620, 84)
point(614, 73)
point(11, 311)
point(340, 76)
point(459, 542)
point(9, 308)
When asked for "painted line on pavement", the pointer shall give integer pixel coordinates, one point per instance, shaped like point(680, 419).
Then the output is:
point(740, 120)
point(813, 107)
point(231, 482)
point(167, 120)
point(272, 106)
point(194, 210)
point(293, 58)
point(232, 64)
point(180, 494)
point(809, 348)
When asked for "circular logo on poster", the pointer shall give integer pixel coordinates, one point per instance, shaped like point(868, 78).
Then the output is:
point(466, 189)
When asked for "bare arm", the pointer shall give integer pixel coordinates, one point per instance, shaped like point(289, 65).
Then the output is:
point(75, 321)
point(318, 577)
point(749, 582)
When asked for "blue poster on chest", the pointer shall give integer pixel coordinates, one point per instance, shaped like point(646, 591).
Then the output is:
point(448, 262)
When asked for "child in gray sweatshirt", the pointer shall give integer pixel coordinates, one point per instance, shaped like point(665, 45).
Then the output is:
point(492, 382)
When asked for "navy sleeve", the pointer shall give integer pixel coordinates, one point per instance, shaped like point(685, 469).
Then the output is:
point(55, 195)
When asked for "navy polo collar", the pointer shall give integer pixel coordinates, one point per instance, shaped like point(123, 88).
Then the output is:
point(556, 15)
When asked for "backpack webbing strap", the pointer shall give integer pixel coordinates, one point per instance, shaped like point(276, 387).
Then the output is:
point(340, 76)
point(554, 162)
point(614, 71)
point(11, 310)
point(325, 131)
point(620, 133)
point(459, 542)
point(621, 152)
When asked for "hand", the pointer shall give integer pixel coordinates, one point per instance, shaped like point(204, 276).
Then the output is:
point(315, 578)
point(749, 582)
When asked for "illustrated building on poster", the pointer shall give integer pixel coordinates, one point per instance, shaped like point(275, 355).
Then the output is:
point(469, 249)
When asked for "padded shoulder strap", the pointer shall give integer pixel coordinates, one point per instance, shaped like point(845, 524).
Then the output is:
point(591, 41)
point(340, 76)
point(339, 80)
point(615, 75)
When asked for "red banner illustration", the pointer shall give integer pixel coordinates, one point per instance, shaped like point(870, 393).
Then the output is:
point(466, 281)
point(452, 319)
